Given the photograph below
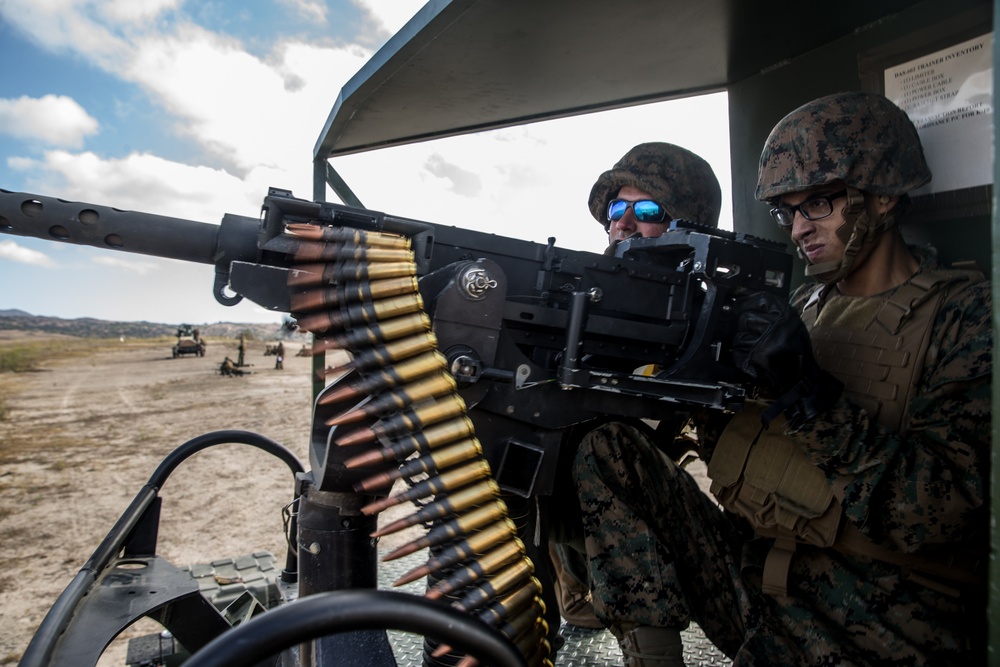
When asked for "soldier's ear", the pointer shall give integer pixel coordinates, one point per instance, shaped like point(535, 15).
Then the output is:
point(880, 205)
point(886, 203)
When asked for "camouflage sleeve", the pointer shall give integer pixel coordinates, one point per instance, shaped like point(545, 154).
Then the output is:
point(927, 486)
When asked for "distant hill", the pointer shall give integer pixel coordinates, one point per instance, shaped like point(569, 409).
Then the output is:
point(88, 327)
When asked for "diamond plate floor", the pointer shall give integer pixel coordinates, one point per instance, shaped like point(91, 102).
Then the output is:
point(583, 648)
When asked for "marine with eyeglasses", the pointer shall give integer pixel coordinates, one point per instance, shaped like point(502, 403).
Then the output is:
point(854, 522)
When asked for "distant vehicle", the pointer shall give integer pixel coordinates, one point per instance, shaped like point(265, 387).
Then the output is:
point(188, 342)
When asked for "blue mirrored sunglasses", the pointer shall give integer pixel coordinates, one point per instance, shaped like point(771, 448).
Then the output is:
point(644, 210)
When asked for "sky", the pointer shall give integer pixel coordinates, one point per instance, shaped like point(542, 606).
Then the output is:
point(193, 109)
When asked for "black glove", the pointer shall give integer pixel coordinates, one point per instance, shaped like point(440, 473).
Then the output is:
point(772, 346)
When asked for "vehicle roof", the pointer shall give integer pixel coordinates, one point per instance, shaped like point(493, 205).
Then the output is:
point(463, 66)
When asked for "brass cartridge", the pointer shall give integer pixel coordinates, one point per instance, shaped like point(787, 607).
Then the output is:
point(390, 377)
point(475, 544)
point(397, 399)
point(319, 251)
point(422, 442)
point(432, 462)
point(534, 641)
point(510, 605)
point(361, 314)
point(499, 612)
point(391, 353)
point(518, 574)
point(334, 295)
point(409, 421)
point(483, 566)
point(346, 235)
point(471, 496)
point(519, 623)
point(304, 275)
point(463, 524)
point(379, 332)
point(456, 478)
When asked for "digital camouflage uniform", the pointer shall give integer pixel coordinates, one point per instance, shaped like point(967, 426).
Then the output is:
point(663, 554)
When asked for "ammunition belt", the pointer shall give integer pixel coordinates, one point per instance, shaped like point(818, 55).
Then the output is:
point(357, 291)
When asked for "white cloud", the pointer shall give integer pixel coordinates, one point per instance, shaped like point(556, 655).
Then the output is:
point(135, 11)
point(256, 118)
point(55, 120)
point(146, 183)
point(392, 14)
point(13, 252)
point(311, 10)
point(67, 26)
point(389, 15)
point(463, 182)
point(247, 113)
point(132, 266)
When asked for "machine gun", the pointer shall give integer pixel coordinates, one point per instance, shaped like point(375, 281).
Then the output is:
point(540, 343)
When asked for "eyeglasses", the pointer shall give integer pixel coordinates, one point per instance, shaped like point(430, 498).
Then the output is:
point(644, 210)
point(816, 208)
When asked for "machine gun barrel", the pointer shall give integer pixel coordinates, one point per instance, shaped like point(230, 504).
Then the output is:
point(55, 219)
point(52, 219)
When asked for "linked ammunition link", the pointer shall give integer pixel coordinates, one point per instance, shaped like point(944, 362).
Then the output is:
point(357, 291)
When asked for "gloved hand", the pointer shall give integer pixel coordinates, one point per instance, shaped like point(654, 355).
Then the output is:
point(772, 346)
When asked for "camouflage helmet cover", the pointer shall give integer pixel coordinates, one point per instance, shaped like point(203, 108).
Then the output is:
point(679, 180)
point(859, 138)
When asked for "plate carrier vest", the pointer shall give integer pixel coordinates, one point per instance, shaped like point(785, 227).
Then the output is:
point(877, 347)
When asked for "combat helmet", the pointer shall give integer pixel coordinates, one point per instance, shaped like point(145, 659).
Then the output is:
point(676, 178)
point(862, 139)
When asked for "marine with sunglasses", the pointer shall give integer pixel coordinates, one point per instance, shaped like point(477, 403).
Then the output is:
point(652, 184)
point(855, 491)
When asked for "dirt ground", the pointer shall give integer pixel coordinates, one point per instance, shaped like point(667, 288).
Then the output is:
point(82, 435)
point(79, 438)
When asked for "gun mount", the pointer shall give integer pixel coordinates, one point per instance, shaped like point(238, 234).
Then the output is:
point(537, 344)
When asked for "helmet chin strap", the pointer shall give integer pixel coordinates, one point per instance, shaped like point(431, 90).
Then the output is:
point(858, 229)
